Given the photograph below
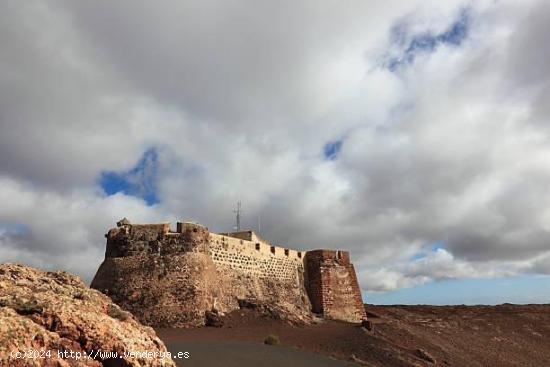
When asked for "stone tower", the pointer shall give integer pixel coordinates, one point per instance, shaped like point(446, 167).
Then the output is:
point(332, 285)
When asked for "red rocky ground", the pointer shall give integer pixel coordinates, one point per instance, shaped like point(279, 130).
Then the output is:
point(505, 335)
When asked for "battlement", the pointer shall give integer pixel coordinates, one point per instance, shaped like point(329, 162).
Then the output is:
point(243, 235)
point(250, 240)
point(320, 257)
point(155, 239)
point(323, 280)
point(147, 236)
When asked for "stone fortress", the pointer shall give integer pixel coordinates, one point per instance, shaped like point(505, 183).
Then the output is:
point(177, 279)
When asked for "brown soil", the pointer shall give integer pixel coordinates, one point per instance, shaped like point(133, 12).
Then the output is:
point(505, 335)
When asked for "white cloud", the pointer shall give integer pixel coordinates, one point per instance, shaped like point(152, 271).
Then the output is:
point(239, 101)
point(62, 231)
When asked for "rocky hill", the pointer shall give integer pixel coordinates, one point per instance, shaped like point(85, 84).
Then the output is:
point(51, 312)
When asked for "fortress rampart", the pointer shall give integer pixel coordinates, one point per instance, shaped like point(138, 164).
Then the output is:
point(332, 285)
point(172, 278)
point(256, 258)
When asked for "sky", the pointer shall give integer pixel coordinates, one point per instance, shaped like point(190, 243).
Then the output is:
point(415, 134)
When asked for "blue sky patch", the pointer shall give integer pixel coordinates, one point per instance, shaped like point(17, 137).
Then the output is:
point(11, 228)
point(522, 289)
point(427, 42)
point(140, 181)
point(419, 256)
point(438, 245)
point(331, 150)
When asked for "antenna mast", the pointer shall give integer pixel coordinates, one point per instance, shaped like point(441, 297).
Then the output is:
point(238, 215)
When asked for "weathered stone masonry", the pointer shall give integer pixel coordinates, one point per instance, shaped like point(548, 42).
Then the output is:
point(332, 285)
point(171, 278)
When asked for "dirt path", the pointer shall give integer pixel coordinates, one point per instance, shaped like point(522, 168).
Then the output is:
point(242, 354)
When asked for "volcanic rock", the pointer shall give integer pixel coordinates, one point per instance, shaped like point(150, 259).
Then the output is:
point(62, 321)
point(213, 318)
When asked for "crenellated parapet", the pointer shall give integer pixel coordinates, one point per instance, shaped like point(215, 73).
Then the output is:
point(155, 239)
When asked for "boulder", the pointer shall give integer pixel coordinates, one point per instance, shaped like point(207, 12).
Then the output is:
point(213, 318)
point(64, 323)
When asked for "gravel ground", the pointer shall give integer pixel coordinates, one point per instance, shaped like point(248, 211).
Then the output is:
point(469, 336)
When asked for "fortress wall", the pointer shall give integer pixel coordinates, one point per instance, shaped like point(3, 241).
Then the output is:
point(161, 291)
point(141, 235)
point(256, 259)
point(149, 231)
point(243, 235)
point(156, 239)
point(251, 271)
point(174, 278)
point(246, 235)
point(332, 285)
point(191, 271)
